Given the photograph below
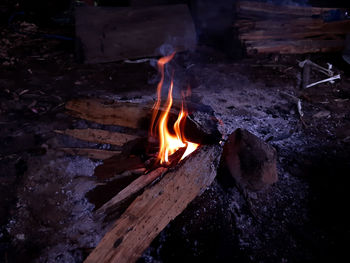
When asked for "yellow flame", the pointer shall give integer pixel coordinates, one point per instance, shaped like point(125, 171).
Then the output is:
point(169, 143)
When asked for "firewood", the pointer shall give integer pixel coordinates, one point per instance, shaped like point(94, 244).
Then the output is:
point(116, 165)
point(295, 47)
point(252, 6)
point(271, 28)
point(125, 114)
point(150, 212)
point(90, 153)
point(289, 32)
point(98, 136)
point(250, 161)
point(137, 185)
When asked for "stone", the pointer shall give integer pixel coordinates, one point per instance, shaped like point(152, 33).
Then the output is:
point(250, 161)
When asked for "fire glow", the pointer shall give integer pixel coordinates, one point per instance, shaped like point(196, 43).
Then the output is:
point(169, 143)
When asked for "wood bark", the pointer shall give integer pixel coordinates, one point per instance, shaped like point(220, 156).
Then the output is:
point(98, 136)
point(156, 207)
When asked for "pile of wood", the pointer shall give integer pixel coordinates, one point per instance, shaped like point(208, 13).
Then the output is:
point(131, 185)
point(269, 28)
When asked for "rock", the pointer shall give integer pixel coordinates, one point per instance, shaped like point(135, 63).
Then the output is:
point(322, 114)
point(250, 161)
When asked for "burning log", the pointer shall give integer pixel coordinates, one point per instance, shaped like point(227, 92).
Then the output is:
point(98, 136)
point(90, 153)
point(149, 213)
point(250, 161)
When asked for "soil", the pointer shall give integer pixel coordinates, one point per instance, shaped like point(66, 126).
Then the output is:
point(45, 216)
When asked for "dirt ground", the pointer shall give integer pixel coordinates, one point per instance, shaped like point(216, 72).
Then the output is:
point(45, 216)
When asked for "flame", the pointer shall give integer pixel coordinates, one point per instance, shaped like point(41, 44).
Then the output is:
point(161, 63)
point(169, 143)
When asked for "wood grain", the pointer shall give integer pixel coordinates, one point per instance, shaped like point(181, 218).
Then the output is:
point(98, 136)
point(90, 153)
point(148, 215)
point(125, 114)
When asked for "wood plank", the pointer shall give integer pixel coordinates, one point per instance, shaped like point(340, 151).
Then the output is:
point(118, 164)
point(125, 114)
point(96, 154)
point(290, 33)
point(134, 187)
point(295, 47)
point(98, 136)
point(116, 33)
point(156, 207)
point(253, 6)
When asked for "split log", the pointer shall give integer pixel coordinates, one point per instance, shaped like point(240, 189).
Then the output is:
point(98, 136)
point(125, 114)
point(90, 153)
point(289, 32)
point(267, 8)
point(295, 47)
point(251, 162)
point(112, 34)
point(156, 207)
point(134, 187)
point(116, 165)
point(271, 28)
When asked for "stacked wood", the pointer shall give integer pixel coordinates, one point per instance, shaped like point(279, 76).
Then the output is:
point(269, 28)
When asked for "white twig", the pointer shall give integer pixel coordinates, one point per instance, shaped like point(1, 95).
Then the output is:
point(331, 80)
point(143, 60)
point(326, 71)
point(301, 113)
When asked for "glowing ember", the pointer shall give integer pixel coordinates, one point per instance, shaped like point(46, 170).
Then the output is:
point(169, 143)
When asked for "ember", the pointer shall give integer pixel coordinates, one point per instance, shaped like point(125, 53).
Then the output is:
point(170, 143)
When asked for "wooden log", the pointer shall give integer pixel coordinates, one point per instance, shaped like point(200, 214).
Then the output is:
point(112, 34)
point(116, 165)
point(281, 24)
point(98, 136)
point(125, 114)
point(134, 187)
point(290, 33)
point(156, 207)
point(90, 153)
point(250, 161)
point(252, 6)
point(295, 47)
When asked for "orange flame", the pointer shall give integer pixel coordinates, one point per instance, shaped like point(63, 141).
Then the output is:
point(170, 143)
